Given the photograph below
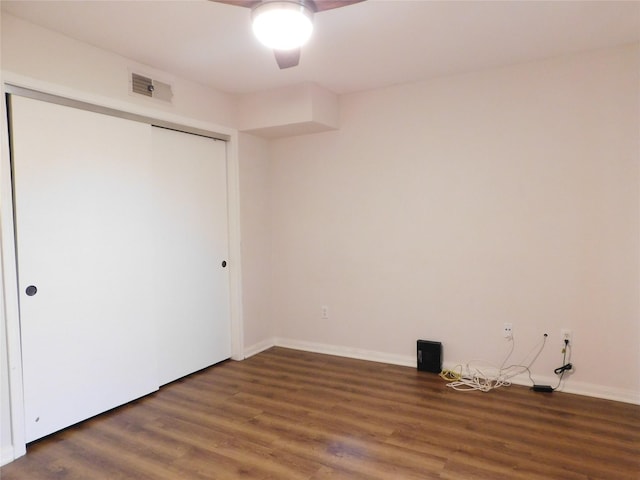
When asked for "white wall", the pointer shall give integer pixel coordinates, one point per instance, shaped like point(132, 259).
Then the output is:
point(42, 54)
point(442, 209)
point(256, 242)
point(5, 411)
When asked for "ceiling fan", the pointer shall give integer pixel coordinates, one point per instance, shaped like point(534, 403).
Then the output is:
point(274, 23)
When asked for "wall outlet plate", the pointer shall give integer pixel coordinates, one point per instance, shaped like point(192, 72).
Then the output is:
point(507, 330)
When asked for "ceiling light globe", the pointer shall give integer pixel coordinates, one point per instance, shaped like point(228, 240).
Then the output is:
point(282, 25)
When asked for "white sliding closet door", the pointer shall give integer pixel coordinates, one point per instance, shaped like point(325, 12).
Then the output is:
point(191, 277)
point(83, 204)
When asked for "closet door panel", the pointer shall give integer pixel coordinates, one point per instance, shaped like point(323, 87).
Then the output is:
point(191, 283)
point(83, 203)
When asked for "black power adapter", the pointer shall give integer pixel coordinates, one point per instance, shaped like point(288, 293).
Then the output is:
point(542, 388)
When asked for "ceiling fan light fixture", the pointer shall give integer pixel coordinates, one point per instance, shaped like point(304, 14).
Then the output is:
point(282, 25)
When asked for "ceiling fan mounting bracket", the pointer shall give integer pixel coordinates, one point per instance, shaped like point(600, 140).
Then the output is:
point(308, 4)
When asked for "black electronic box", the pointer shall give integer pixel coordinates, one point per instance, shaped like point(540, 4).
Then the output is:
point(429, 356)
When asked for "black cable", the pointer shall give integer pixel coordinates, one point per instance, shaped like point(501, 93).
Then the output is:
point(563, 369)
point(565, 366)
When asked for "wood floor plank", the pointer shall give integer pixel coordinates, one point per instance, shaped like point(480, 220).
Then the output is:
point(292, 415)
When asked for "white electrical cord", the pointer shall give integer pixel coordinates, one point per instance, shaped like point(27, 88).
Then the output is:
point(471, 378)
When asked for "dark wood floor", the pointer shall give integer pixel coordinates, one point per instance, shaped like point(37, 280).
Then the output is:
point(285, 414)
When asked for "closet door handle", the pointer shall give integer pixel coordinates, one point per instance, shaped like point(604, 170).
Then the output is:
point(224, 263)
point(31, 290)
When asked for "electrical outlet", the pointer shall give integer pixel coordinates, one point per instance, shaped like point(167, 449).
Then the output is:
point(566, 334)
point(324, 312)
point(507, 330)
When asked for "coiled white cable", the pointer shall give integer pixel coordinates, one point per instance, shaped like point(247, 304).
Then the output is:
point(472, 378)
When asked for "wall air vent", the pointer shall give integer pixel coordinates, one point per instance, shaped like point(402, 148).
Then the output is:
point(150, 88)
point(141, 85)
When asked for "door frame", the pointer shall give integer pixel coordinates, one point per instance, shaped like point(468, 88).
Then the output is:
point(9, 296)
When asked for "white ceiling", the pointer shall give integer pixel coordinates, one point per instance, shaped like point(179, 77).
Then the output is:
point(359, 47)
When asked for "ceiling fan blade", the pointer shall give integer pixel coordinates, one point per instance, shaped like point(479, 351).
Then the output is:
point(287, 58)
point(322, 5)
point(239, 3)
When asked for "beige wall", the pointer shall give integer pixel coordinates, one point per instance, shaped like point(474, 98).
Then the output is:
point(439, 210)
point(442, 209)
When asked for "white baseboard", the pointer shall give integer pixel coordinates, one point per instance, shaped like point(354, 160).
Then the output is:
point(6, 455)
point(572, 386)
point(360, 354)
point(259, 347)
point(568, 386)
point(597, 391)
